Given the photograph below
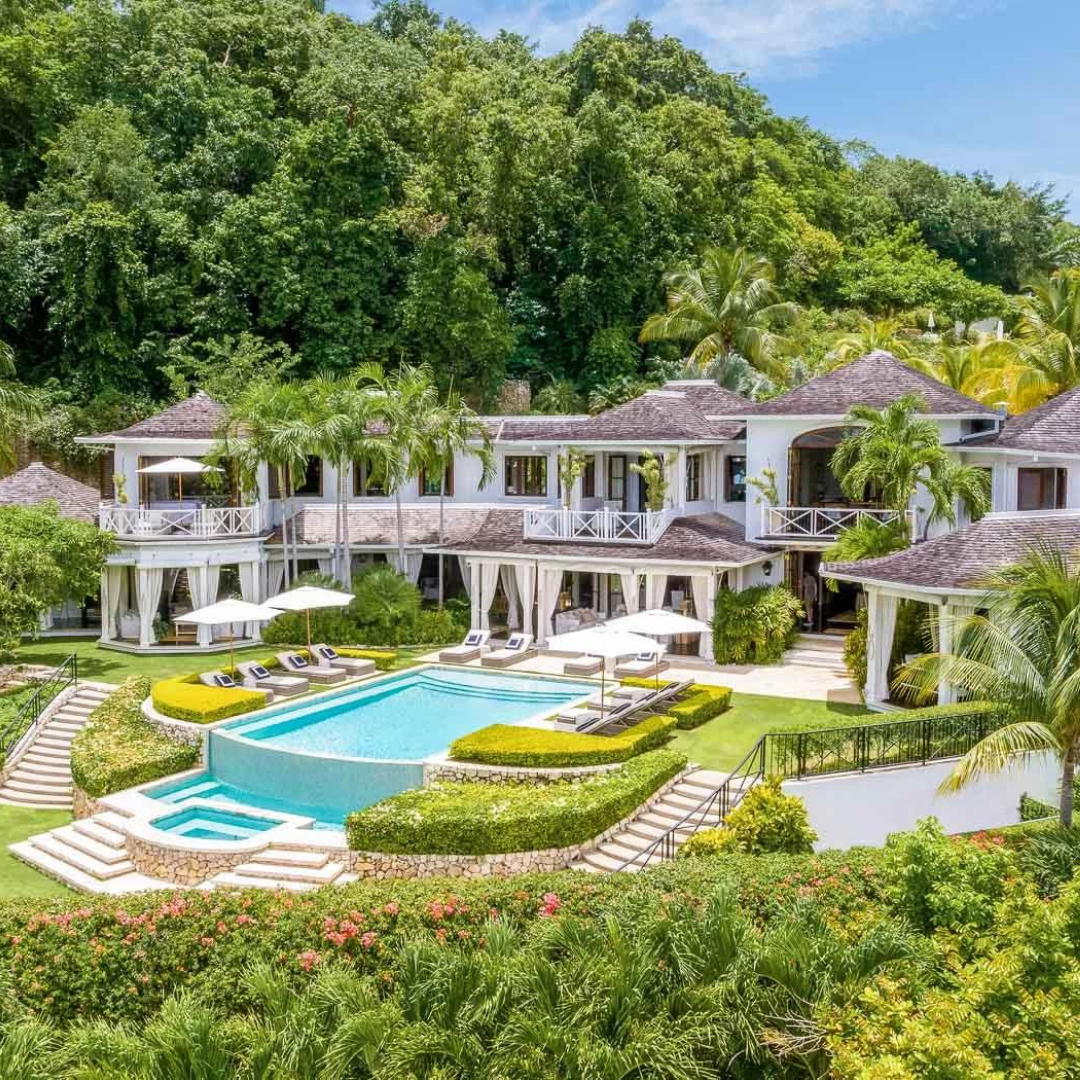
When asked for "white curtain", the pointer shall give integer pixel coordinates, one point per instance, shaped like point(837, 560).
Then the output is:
point(466, 574)
point(506, 576)
point(326, 566)
point(655, 587)
point(249, 591)
point(704, 590)
point(525, 587)
point(148, 589)
point(275, 576)
point(203, 586)
point(113, 582)
point(549, 586)
point(489, 578)
point(629, 585)
point(413, 562)
point(881, 628)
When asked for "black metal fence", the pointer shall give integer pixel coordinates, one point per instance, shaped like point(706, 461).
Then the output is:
point(67, 674)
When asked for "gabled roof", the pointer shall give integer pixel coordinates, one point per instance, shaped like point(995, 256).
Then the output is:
point(877, 380)
point(197, 417)
point(1051, 428)
point(37, 483)
point(962, 559)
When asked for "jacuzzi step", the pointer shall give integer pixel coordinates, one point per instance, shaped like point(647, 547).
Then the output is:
point(291, 857)
point(60, 849)
point(278, 871)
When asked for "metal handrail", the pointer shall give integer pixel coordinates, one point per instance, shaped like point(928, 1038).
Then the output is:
point(29, 715)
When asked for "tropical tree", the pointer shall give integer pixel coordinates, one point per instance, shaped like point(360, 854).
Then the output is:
point(18, 406)
point(896, 451)
point(868, 538)
point(873, 335)
point(1024, 653)
point(724, 308)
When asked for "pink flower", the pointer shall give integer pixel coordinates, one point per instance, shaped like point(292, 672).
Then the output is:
point(391, 909)
point(551, 904)
point(309, 959)
point(367, 940)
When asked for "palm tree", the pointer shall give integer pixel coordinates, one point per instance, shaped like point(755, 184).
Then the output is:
point(449, 430)
point(1024, 653)
point(726, 307)
point(17, 406)
point(896, 452)
point(868, 538)
point(873, 335)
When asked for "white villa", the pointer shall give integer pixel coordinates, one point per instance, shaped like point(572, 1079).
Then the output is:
point(531, 560)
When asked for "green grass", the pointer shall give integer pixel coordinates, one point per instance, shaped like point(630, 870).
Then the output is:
point(725, 740)
point(16, 878)
point(107, 665)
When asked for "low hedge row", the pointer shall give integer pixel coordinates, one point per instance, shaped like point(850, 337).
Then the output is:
point(185, 698)
point(697, 706)
point(486, 819)
point(535, 748)
point(119, 748)
point(385, 659)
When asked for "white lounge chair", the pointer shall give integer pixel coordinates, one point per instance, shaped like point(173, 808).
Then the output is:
point(356, 666)
point(469, 649)
point(587, 718)
point(257, 677)
point(518, 648)
point(583, 665)
point(298, 664)
point(644, 664)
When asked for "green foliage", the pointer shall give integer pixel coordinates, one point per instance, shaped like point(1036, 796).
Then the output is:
point(45, 559)
point(535, 748)
point(855, 651)
point(572, 464)
point(756, 625)
point(186, 698)
point(1032, 809)
point(765, 485)
point(700, 705)
point(119, 748)
point(764, 822)
point(479, 818)
point(651, 470)
point(1050, 857)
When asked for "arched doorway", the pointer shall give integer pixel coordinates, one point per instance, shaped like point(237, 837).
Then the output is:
point(810, 477)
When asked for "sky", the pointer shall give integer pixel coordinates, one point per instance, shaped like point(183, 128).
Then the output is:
point(989, 85)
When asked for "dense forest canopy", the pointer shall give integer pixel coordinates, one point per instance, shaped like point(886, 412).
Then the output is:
point(257, 185)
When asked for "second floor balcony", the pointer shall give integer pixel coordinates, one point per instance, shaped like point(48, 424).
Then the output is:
point(821, 523)
point(603, 526)
point(179, 522)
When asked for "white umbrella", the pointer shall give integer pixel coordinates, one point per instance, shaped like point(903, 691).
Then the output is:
point(659, 623)
point(603, 642)
point(304, 598)
point(228, 611)
point(181, 466)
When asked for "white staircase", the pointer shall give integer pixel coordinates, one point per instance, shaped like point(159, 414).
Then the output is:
point(41, 777)
point(286, 866)
point(648, 827)
point(825, 651)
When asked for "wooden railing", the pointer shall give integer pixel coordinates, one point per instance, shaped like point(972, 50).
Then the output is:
point(820, 522)
point(192, 523)
point(595, 526)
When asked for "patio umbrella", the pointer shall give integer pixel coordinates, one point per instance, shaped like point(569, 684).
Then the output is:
point(228, 611)
point(602, 641)
point(181, 466)
point(306, 597)
point(659, 622)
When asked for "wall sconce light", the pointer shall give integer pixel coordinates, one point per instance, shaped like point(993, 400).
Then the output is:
point(766, 568)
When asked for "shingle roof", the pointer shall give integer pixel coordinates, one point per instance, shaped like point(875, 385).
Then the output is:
point(877, 380)
point(377, 525)
point(37, 483)
point(707, 538)
point(962, 559)
point(197, 417)
point(1051, 428)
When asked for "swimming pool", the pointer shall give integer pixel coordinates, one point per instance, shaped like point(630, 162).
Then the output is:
point(346, 750)
point(209, 823)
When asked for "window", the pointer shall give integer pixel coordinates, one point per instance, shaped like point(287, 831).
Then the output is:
point(693, 478)
point(429, 482)
point(1040, 489)
point(735, 479)
point(588, 478)
point(308, 484)
point(616, 478)
point(367, 479)
point(526, 476)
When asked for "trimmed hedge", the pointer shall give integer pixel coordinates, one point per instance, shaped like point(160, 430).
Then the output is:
point(385, 659)
point(535, 748)
point(185, 698)
point(697, 706)
point(119, 748)
point(485, 819)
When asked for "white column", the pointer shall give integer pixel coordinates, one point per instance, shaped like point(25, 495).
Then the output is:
point(950, 624)
point(881, 627)
point(249, 591)
point(677, 493)
point(148, 592)
point(202, 584)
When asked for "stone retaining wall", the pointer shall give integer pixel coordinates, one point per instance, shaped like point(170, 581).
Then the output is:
point(448, 770)
point(183, 866)
point(83, 805)
point(380, 865)
point(181, 730)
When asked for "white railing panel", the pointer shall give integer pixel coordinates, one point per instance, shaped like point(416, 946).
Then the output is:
point(594, 526)
point(820, 522)
point(199, 523)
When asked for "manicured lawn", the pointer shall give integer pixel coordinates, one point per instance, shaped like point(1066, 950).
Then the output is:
point(106, 665)
point(16, 878)
point(724, 741)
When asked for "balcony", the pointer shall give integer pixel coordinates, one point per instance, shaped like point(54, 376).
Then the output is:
point(595, 526)
point(820, 523)
point(179, 523)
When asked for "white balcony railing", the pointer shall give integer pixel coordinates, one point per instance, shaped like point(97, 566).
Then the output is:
point(201, 523)
point(595, 526)
point(820, 522)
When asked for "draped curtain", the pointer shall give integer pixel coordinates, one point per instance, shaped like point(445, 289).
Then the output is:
point(489, 577)
point(203, 586)
point(275, 577)
point(148, 589)
point(655, 587)
point(525, 587)
point(466, 573)
point(249, 591)
point(881, 628)
point(509, 584)
point(703, 587)
point(413, 562)
point(550, 584)
point(629, 584)
point(114, 590)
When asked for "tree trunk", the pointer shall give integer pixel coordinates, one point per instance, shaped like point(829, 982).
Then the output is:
point(400, 531)
point(1068, 773)
point(442, 533)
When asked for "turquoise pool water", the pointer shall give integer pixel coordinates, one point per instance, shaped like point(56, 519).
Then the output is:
point(326, 758)
point(208, 823)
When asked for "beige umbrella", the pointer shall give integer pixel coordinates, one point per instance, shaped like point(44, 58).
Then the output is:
point(229, 611)
point(181, 466)
point(602, 642)
point(659, 622)
point(304, 598)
